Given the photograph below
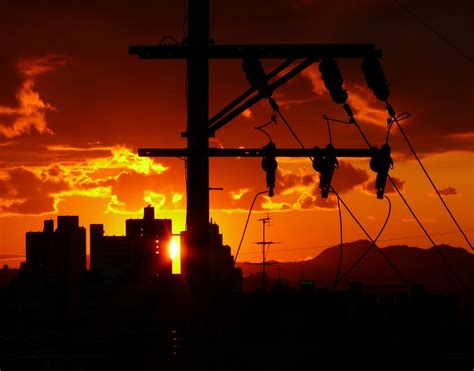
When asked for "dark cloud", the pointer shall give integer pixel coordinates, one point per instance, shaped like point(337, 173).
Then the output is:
point(23, 192)
point(311, 202)
point(449, 191)
point(31, 206)
point(389, 188)
point(348, 177)
point(10, 82)
point(285, 181)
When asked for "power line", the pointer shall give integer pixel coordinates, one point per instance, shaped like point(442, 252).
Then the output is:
point(357, 262)
point(418, 221)
point(432, 183)
point(383, 240)
point(246, 224)
point(435, 32)
point(277, 110)
point(426, 232)
point(339, 264)
point(373, 241)
point(422, 235)
point(275, 107)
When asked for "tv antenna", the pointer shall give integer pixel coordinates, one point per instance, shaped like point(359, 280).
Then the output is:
point(264, 243)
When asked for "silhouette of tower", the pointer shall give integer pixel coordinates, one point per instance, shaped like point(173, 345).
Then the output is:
point(222, 272)
point(60, 253)
point(143, 252)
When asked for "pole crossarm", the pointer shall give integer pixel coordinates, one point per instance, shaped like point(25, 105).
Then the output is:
point(254, 99)
point(249, 92)
point(254, 152)
point(264, 51)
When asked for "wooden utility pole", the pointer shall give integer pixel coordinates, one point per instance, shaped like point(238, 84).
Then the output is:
point(197, 50)
point(197, 183)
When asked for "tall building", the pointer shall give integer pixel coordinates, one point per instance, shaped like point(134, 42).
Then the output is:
point(111, 256)
point(223, 273)
point(57, 253)
point(143, 252)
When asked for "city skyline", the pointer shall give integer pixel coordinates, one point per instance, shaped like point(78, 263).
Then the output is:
point(258, 185)
point(72, 120)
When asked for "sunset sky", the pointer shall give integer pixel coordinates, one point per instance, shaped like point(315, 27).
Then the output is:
point(75, 107)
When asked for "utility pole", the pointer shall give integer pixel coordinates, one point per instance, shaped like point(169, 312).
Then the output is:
point(197, 50)
point(264, 243)
point(197, 184)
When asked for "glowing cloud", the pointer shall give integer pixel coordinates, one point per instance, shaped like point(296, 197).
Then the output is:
point(247, 114)
point(313, 75)
point(268, 204)
point(41, 189)
point(157, 200)
point(30, 112)
point(176, 198)
point(366, 107)
point(237, 195)
point(123, 157)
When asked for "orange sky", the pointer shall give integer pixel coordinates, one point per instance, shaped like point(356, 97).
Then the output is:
point(74, 108)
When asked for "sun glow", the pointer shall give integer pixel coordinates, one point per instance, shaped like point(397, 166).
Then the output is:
point(175, 254)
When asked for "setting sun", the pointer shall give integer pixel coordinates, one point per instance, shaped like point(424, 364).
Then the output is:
point(175, 255)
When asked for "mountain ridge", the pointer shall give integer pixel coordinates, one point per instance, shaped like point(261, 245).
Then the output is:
point(418, 265)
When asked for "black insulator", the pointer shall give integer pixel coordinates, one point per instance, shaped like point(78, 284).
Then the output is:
point(375, 78)
point(256, 76)
point(348, 110)
point(380, 163)
point(273, 104)
point(270, 165)
point(390, 110)
point(333, 80)
point(325, 163)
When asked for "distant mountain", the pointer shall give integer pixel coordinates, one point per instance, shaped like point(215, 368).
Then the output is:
point(417, 265)
point(11, 256)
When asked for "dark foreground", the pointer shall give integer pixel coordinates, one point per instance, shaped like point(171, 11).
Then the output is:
point(164, 327)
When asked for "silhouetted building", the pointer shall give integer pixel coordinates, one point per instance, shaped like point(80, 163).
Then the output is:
point(142, 252)
point(111, 256)
point(221, 265)
point(57, 253)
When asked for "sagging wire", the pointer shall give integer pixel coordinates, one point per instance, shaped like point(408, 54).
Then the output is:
point(397, 120)
point(271, 121)
point(350, 212)
point(329, 128)
point(372, 244)
point(339, 264)
point(247, 223)
point(377, 82)
point(434, 31)
point(373, 241)
point(170, 38)
point(391, 121)
point(276, 108)
point(450, 267)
